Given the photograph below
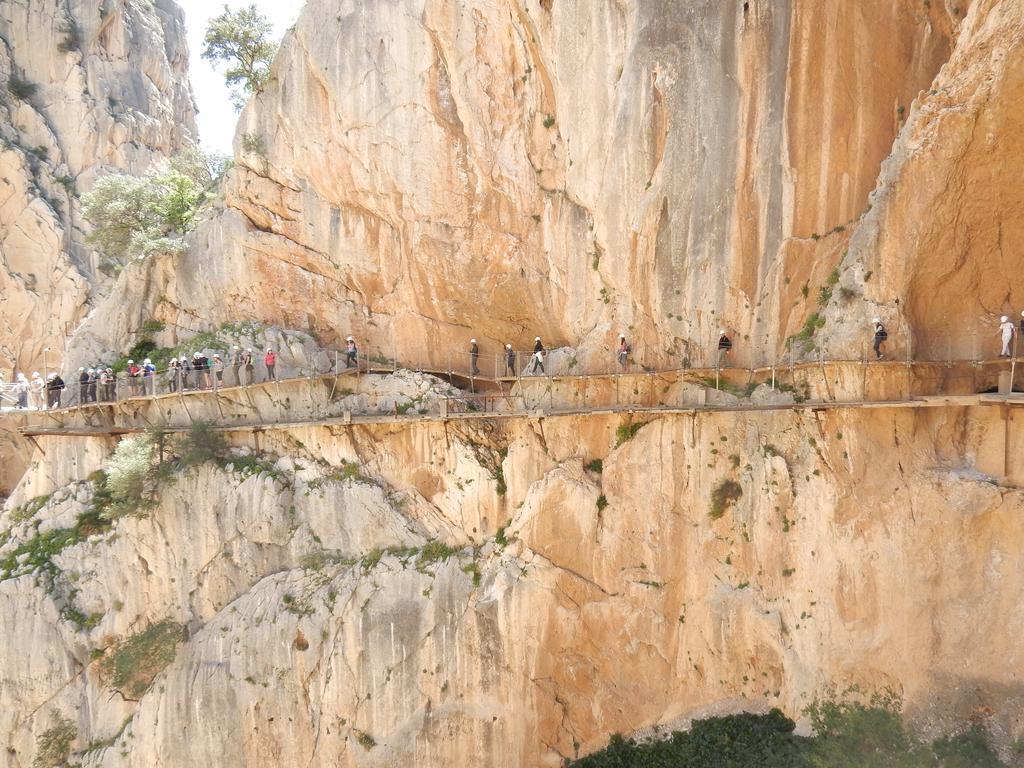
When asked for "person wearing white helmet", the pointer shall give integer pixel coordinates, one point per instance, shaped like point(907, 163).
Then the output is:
point(879, 338)
point(474, 355)
point(538, 356)
point(622, 353)
point(250, 370)
point(1022, 321)
point(236, 364)
point(351, 353)
point(36, 391)
point(510, 361)
point(21, 389)
point(1006, 330)
point(93, 381)
point(83, 386)
point(185, 367)
point(724, 345)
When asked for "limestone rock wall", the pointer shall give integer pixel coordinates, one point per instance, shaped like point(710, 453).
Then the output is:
point(421, 172)
point(88, 87)
point(579, 603)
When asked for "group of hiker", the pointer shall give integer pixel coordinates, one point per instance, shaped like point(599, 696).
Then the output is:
point(879, 336)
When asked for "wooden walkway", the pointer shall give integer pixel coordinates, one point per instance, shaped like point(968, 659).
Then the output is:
point(956, 401)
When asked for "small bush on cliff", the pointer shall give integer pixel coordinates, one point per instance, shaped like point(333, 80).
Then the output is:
point(21, 89)
point(54, 746)
point(132, 666)
point(724, 495)
point(627, 432)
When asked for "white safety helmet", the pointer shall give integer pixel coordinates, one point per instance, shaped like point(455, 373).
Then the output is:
point(537, 339)
point(147, 361)
point(1003, 319)
point(81, 370)
point(876, 320)
point(472, 341)
point(349, 339)
point(236, 346)
point(622, 335)
point(509, 346)
point(249, 349)
point(131, 362)
point(269, 349)
point(184, 359)
point(35, 374)
point(721, 332)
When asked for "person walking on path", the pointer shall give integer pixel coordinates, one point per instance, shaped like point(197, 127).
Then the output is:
point(270, 360)
point(94, 380)
point(623, 351)
point(510, 361)
point(83, 385)
point(149, 377)
point(201, 365)
point(1022, 321)
point(36, 391)
point(21, 390)
point(351, 353)
point(236, 364)
point(185, 368)
point(250, 369)
point(173, 374)
point(724, 345)
point(107, 388)
point(474, 355)
point(55, 386)
point(218, 371)
point(880, 337)
point(1006, 330)
point(538, 356)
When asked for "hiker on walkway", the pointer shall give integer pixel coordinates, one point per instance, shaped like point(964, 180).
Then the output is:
point(83, 385)
point(1022, 321)
point(474, 355)
point(510, 361)
point(724, 345)
point(36, 391)
point(1006, 331)
point(148, 377)
point(218, 371)
point(623, 351)
point(537, 361)
point(236, 364)
point(54, 388)
point(270, 360)
point(201, 365)
point(248, 366)
point(134, 376)
point(880, 337)
point(108, 380)
point(185, 368)
point(351, 353)
point(173, 375)
point(21, 390)
point(93, 385)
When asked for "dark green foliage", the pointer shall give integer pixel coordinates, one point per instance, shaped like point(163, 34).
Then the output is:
point(723, 496)
point(627, 432)
point(21, 89)
point(845, 736)
point(602, 502)
point(72, 39)
point(594, 465)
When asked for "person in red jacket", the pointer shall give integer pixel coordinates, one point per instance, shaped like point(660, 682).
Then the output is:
point(270, 360)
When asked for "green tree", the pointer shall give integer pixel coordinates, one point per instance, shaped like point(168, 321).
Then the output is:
point(136, 216)
point(241, 39)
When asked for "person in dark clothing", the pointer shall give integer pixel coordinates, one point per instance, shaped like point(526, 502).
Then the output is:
point(201, 373)
point(186, 369)
point(538, 356)
point(250, 370)
point(218, 370)
point(236, 365)
point(879, 338)
point(83, 386)
point(351, 353)
point(510, 360)
point(93, 382)
point(172, 375)
point(54, 387)
point(474, 355)
point(622, 353)
point(109, 382)
point(724, 345)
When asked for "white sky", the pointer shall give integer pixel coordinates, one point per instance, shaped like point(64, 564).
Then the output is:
point(217, 117)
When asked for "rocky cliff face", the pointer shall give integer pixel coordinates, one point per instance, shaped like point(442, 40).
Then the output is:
point(420, 172)
point(88, 87)
point(474, 595)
